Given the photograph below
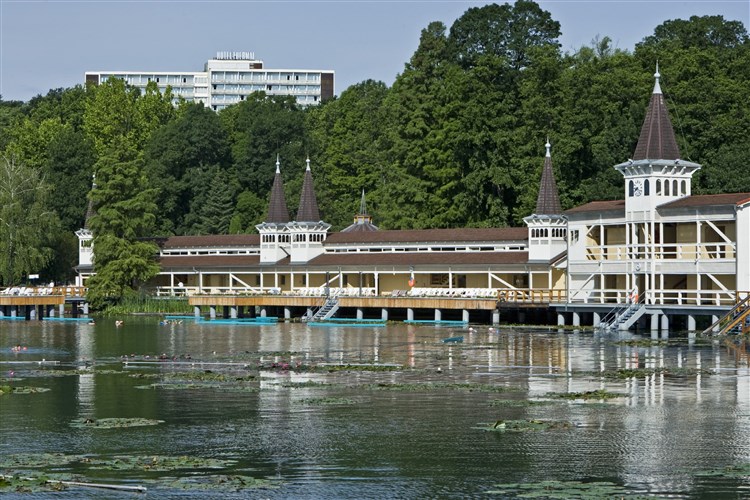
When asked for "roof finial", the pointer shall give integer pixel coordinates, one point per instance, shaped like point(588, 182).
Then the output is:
point(308, 163)
point(657, 87)
point(278, 169)
point(548, 145)
point(363, 204)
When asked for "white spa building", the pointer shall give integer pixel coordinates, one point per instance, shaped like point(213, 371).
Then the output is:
point(684, 260)
point(228, 79)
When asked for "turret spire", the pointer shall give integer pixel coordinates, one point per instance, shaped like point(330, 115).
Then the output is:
point(277, 210)
point(657, 140)
point(548, 200)
point(90, 212)
point(308, 204)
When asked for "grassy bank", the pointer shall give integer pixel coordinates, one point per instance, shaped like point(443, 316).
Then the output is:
point(150, 305)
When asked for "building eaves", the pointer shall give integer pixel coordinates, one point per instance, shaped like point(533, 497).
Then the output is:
point(706, 200)
point(461, 235)
point(599, 206)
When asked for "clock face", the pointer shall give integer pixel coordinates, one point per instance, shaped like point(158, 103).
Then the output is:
point(637, 188)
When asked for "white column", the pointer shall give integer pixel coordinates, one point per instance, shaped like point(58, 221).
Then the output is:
point(496, 317)
point(410, 314)
point(664, 323)
point(233, 312)
point(560, 319)
point(438, 315)
point(384, 314)
point(654, 322)
point(287, 313)
point(597, 319)
point(466, 315)
point(197, 311)
point(576, 319)
point(212, 312)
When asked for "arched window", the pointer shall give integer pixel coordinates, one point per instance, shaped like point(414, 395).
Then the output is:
point(658, 186)
point(666, 188)
point(675, 188)
point(630, 189)
point(683, 189)
point(646, 188)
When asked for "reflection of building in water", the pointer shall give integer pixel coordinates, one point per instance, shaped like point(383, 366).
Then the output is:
point(85, 357)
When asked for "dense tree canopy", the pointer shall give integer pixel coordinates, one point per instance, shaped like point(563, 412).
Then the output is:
point(457, 140)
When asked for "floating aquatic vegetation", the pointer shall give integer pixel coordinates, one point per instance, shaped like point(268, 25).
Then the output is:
point(587, 395)
point(729, 472)
point(432, 386)
point(33, 460)
point(209, 376)
point(170, 386)
point(29, 483)
point(520, 403)
point(112, 423)
point(565, 490)
point(524, 425)
point(221, 482)
point(6, 389)
point(327, 401)
point(625, 373)
point(158, 463)
point(306, 383)
point(357, 367)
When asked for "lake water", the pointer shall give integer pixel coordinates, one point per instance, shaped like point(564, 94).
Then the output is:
point(679, 427)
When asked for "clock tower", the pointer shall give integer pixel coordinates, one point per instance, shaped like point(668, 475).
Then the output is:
point(654, 176)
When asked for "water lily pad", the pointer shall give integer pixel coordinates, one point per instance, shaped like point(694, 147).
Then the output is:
point(431, 386)
point(565, 490)
point(731, 471)
point(6, 389)
point(520, 403)
point(327, 401)
point(222, 482)
point(524, 425)
point(112, 423)
point(159, 463)
point(588, 395)
point(33, 460)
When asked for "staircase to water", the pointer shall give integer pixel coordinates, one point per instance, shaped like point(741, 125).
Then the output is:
point(622, 318)
point(737, 320)
point(327, 310)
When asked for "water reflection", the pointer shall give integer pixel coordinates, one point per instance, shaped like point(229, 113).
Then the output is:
point(685, 404)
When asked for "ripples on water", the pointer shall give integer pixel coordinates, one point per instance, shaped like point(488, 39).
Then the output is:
point(381, 443)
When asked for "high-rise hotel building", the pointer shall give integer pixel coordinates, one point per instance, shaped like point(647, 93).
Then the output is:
point(228, 79)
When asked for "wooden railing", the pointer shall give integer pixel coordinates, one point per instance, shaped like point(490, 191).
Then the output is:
point(36, 291)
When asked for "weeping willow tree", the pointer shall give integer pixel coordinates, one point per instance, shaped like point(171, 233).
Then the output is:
point(25, 221)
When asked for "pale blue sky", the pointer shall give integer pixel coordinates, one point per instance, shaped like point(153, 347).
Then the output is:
point(50, 44)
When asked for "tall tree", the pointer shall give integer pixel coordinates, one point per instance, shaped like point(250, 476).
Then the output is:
point(25, 221)
point(194, 139)
point(125, 210)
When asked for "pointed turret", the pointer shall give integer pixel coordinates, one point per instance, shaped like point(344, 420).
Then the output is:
point(657, 140)
point(308, 204)
point(362, 221)
point(547, 226)
point(90, 211)
point(277, 209)
point(548, 200)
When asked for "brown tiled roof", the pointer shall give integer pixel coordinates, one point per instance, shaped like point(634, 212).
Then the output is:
point(432, 235)
point(308, 204)
point(707, 200)
point(548, 200)
point(278, 213)
point(657, 140)
point(420, 258)
point(212, 240)
point(208, 261)
point(599, 206)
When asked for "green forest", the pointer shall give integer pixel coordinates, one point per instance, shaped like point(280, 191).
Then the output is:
point(456, 141)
